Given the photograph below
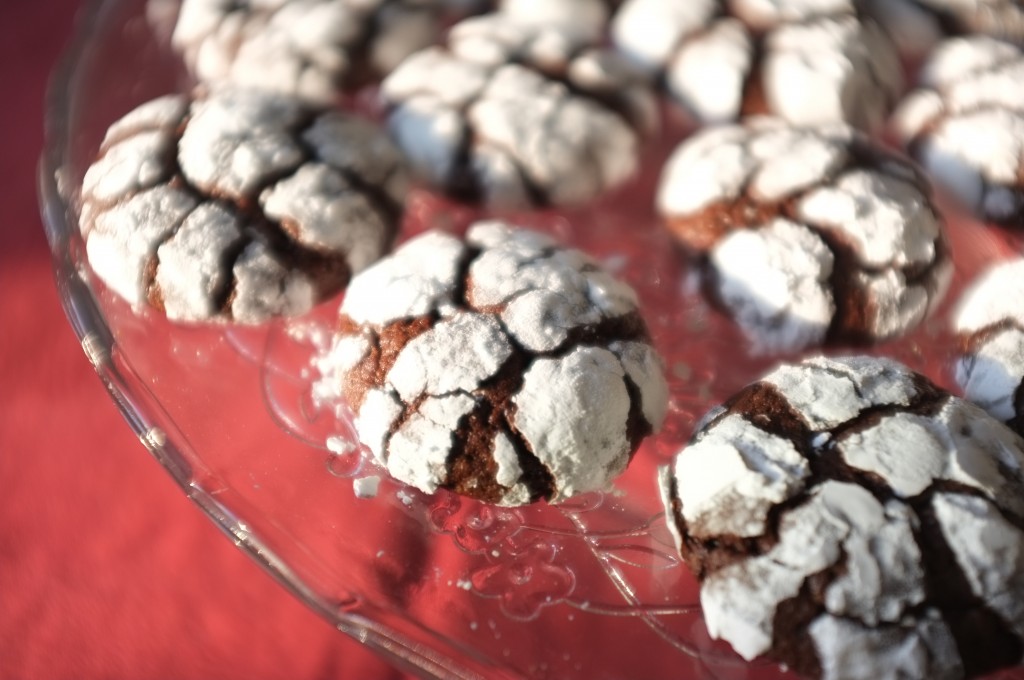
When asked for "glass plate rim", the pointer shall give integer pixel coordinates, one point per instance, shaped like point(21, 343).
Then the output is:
point(143, 415)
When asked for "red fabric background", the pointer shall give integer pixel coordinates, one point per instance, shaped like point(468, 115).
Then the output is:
point(106, 569)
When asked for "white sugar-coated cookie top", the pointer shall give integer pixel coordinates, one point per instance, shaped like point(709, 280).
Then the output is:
point(571, 410)
point(989, 550)
point(541, 292)
point(733, 475)
point(828, 392)
point(839, 523)
point(310, 48)
point(649, 31)
point(765, 157)
point(997, 295)
point(587, 17)
point(790, 268)
point(516, 323)
point(512, 113)
point(775, 206)
point(455, 355)
point(183, 190)
point(545, 291)
point(853, 450)
point(965, 123)
point(808, 61)
point(891, 223)
point(923, 649)
point(764, 14)
point(990, 320)
point(417, 278)
point(835, 68)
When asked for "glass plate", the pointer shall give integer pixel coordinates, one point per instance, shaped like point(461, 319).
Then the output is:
point(440, 585)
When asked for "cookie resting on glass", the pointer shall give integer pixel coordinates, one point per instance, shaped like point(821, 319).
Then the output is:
point(238, 206)
point(848, 518)
point(807, 234)
point(989, 321)
point(503, 366)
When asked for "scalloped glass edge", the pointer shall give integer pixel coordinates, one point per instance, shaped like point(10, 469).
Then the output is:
point(140, 410)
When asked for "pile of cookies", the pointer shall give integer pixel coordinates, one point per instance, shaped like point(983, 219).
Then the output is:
point(844, 515)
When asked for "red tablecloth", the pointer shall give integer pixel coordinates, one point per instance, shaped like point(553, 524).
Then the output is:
point(106, 569)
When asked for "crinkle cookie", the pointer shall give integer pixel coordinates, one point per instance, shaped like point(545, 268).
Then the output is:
point(515, 114)
point(809, 233)
point(990, 323)
point(311, 48)
point(918, 25)
point(965, 124)
point(853, 521)
point(238, 206)
point(808, 61)
point(503, 367)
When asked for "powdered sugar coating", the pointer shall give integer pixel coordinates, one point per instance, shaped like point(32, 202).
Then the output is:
point(556, 380)
point(808, 61)
point(238, 205)
point(455, 355)
point(514, 113)
point(817, 507)
point(976, 532)
point(313, 49)
point(789, 267)
point(765, 14)
point(584, 17)
point(989, 320)
point(841, 389)
point(733, 475)
point(810, 233)
point(831, 69)
point(925, 649)
point(965, 124)
point(418, 277)
point(571, 410)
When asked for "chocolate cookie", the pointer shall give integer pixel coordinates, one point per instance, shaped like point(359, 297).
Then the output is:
point(965, 124)
point(807, 234)
point(241, 205)
point(849, 519)
point(808, 61)
point(311, 48)
point(513, 114)
point(502, 367)
point(990, 323)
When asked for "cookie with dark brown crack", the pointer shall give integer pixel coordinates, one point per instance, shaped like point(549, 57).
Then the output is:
point(808, 234)
point(807, 61)
point(514, 113)
point(504, 367)
point(965, 124)
point(240, 205)
point(850, 519)
point(989, 321)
